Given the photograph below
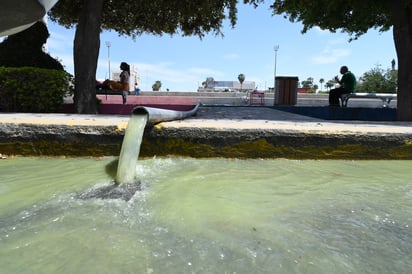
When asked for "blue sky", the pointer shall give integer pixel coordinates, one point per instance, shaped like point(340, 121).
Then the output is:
point(183, 63)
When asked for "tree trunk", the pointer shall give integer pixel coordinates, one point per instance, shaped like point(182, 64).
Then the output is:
point(402, 33)
point(86, 52)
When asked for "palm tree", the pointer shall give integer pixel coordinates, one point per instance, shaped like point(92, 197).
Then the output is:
point(241, 79)
point(321, 81)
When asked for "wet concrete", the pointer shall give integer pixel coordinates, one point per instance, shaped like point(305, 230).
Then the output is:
point(216, 131)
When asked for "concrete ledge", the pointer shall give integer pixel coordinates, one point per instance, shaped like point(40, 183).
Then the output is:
point(273, 134)
point(277, 139)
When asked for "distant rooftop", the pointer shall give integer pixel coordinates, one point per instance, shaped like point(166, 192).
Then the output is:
point(228, 86)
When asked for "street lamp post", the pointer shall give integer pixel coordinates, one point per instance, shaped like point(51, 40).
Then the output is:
point(108, 44)
point(275, 48)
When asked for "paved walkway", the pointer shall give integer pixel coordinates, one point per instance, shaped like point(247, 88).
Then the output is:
point(267, 118)
point(249, 113)
point(221, 117)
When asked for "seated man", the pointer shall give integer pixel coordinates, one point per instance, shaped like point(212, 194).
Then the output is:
point(347, 85)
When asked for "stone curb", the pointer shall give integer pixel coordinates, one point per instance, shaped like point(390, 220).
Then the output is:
point(275, 135)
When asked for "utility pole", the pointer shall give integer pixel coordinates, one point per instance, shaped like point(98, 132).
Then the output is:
point(275, 48)
point(108, 45)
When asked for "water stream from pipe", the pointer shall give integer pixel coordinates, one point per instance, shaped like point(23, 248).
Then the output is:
point(129, 153)
point(126, 182)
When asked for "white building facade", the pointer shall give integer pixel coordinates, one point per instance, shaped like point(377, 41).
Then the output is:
point(211, 85)
point(134, 77)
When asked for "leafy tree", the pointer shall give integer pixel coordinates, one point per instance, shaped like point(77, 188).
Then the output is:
point(329, 84)
point(157, 85)
point(241, 77)
point(308, 83)
point(356, 18)
point(25, 49)
point(378, 80)
point(131, 18)
point(210, 82)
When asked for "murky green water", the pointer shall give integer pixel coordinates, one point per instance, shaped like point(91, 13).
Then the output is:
point(208, 216)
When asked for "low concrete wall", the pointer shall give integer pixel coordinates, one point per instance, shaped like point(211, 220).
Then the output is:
point(206, 98)
point(213, 98)
point(235, 98)
point(96, 141)
point(101, 135)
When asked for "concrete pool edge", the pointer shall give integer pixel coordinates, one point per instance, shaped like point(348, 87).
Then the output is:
point(290, 136)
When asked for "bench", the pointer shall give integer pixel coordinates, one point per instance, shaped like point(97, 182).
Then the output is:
point(385, 97)
point(108, 92)
point(257, 98)
point(254, 98)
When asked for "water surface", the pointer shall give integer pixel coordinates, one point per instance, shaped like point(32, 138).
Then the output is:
point(207, 216)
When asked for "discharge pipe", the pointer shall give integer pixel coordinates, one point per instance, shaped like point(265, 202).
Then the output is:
point(129, 153)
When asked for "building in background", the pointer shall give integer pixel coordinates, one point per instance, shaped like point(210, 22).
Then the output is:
point(134, 77)
point(229, 86)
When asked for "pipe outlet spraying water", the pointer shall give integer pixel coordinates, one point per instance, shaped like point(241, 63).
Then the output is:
point(126, 181)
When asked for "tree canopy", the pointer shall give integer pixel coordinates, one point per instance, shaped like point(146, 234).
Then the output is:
point(241, 77)
point(132, 18)
point(157, 85)
point(353, 17)
point(378, 80)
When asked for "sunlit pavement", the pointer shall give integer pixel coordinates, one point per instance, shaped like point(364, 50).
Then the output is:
point(215, 131)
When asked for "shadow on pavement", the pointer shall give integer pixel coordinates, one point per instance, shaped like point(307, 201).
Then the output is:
point(337, 113)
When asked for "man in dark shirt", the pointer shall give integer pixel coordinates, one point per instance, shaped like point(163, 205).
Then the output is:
point(347, 85)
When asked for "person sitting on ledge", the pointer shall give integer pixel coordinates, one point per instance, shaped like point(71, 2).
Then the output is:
point(347, 85)
point(122, 85)
point(136, 89)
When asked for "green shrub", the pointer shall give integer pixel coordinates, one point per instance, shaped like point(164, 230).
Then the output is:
point(378, 80)
point(29, 89)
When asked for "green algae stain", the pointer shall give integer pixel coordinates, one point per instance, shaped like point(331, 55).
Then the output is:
point(188, 148)
point(263, 149)
point(54, 148)
point(165, 147)
point(402, 152)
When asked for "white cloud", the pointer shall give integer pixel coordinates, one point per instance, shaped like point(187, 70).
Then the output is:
point(331, 54)
point(167, 72)
point(60, 46)
point(59, 42)
point(231, 56)
point(337, 41)
point(321, 31)
point(66, 60)
point(203, 71)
